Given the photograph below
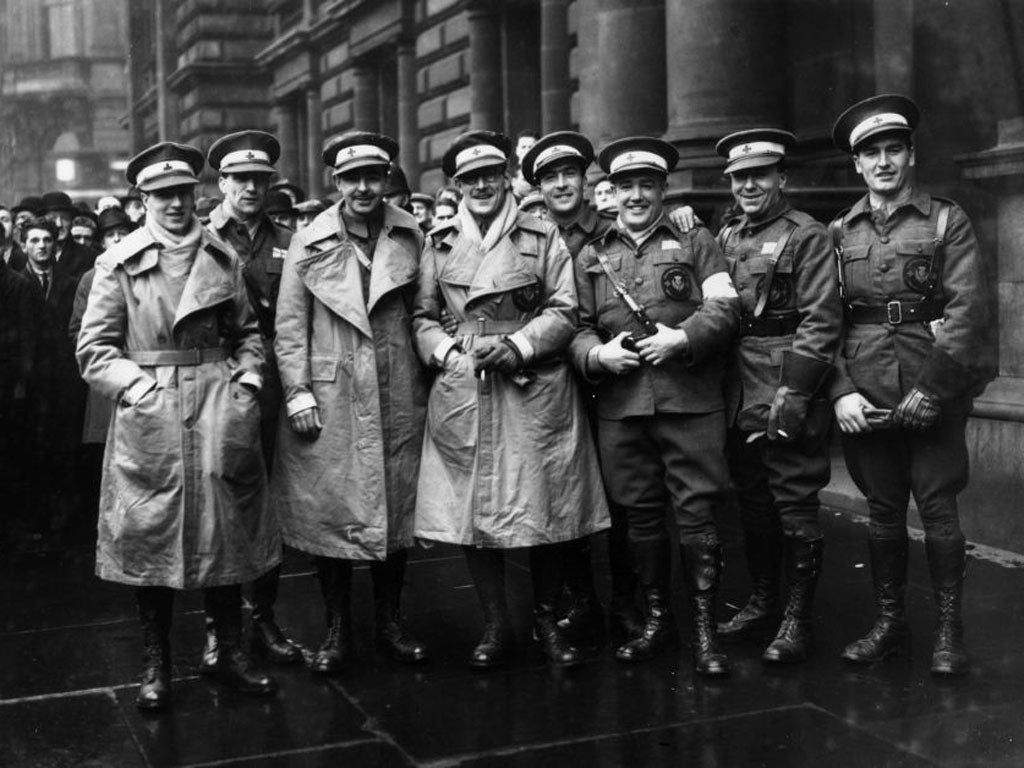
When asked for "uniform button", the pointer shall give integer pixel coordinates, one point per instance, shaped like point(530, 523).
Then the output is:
point(639, 281)
point(885, 268)
point(189, 422)
point(741, 286)
point(743, 257)
point(884, 239)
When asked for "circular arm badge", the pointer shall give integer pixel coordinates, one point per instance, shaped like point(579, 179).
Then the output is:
point(527, 298)
point(675, 282)
point(780, 292)
point(918, 276)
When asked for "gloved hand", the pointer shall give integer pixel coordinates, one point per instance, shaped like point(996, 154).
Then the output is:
point(448, 323)
point(916, 410)
point(502, 357)
point(787, 415)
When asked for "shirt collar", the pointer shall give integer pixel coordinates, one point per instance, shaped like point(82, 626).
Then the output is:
point(780, 208)
point(585, 220)
point(922, 201)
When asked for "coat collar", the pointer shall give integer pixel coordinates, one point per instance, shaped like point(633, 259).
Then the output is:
point(742, 221)
point(500, 269)
point(922, 201)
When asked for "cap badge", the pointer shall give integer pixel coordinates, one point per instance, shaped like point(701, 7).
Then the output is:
point(746, 149)
point(168, 167)
point(249, 155)
point(476, 152)
point(351, 152)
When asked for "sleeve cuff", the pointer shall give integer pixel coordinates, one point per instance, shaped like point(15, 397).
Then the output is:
point(300, 402)
point(943, 377)
point(441, 351)
point(248, 378)
point(803, 374)
point(523, 345)
point(138, 390)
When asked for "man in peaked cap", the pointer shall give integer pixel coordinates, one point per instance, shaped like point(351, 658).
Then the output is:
point(915, 349)
point(244, 162)
point(526, 475)
point(355, 394)
point(658, 377)
point(169, 333)
point(423, 209)
point(779, 413)
point(557, 164)
point(70, 257)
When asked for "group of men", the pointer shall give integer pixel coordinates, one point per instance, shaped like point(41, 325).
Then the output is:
point(504, 380)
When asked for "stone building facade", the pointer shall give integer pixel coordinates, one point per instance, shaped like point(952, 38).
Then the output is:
point(62, 95)
point(688, 70)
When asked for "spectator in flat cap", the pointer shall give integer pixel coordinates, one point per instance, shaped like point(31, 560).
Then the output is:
point(533, 205)
point(70, 257)
point(658, 379)
point(170, 334)
point(245, 161)
point(422, 206)
point(506, 278)
point(294, 191)
point(280, 208)
point(348, 454)
point(308, 210)
point(444, 210)
point(778, 413)
point(919, 346)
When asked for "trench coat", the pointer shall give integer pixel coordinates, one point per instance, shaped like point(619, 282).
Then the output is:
point(349, 493)
point(504, 464)
point(183, 499)
point(98, 409)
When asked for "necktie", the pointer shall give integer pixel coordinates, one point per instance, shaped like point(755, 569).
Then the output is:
point(46, 283)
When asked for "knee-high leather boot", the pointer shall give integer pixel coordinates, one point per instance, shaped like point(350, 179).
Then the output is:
point(487, 567)
point(793, 641)
point(234, 666)
point(390, 637)
point(889, 577)
point(267, 638)
point(653, 562)
point(947, 560)
point(335, 578)
point(155, 606)
point(546, 573)
point(702, 561)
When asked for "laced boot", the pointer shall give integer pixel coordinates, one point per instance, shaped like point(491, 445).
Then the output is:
point(235, 668)
point(208, 662)
point(487, 567)
point(268, 641)
point(658, 633)
point(583, 623)
point(889, 576)
point(793, 641)
point(335, 578)
point(760, 615)
point(546, 573)
point(947, 561)
point(702, 560)
point(155, 604)
point(390, 637)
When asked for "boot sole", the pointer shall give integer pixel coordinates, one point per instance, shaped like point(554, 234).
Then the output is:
point(868, 661)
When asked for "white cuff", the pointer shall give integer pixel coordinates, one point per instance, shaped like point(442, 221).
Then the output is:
point(248, 378)
point(523, 345)
point(594, 367)
point(301, 402)
point(138, 390)
point(441, 351)
point(718, 286)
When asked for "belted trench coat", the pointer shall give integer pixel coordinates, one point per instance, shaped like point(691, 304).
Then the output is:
point(183, 494)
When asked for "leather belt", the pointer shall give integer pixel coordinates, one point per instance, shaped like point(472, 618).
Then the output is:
point(177, 356)
point(484, 327)
point(769, 326)
point(896, 312)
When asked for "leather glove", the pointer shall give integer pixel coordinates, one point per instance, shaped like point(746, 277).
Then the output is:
point(502, 357)
point(787, 415)
point(448, 323)
point(916, 410)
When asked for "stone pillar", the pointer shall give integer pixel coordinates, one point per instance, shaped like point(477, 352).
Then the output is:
point(387, 97)
point(314, 143)
point(555, 95)
point(726, 67)
point(485, 98)
point(408, 104)
point(365, 98)
point(894, 46)
point(283, 117)
point(631, 69)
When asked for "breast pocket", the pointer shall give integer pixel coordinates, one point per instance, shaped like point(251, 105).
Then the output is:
point(604, 291)
point(856, 277)
point(916, 260)
point(782, 291)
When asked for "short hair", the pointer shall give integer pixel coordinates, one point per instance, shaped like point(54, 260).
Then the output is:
point(84, 221)
point(39, 222)
point(527, 133)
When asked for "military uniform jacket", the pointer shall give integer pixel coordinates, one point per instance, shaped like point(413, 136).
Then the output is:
point(898, 259)
point(804, 286)
point(682, 281)
point(587, 226)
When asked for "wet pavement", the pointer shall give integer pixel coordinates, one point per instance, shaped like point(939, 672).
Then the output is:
point(70, 648)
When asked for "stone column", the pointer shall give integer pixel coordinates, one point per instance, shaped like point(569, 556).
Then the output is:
point(485, 98)
point(408, 103)
point(365, 98)
point(283, 116)
point(314, 143)
point(894, 46)
point(555, 95)
point(726, 67)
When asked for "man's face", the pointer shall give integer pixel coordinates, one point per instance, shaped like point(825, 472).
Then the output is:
point(398, 199)
point(135, 210)
point(561, 185)
point(303, 220)
point(83, 235)
point(756, 190)
point(484, 190)
point(172, 207)
point(21, 218)
point(38, 247)
point(6, 221)
point(640, 198)
point(284, 219)
point(244, 193)
point(523, 144)
point(362, 189)
point(885, 163)
point(421, 211)
point(114, 236)
point(63, 221)
point(443, 212)
point(604, 196)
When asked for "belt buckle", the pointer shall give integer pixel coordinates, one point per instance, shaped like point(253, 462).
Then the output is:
point(197, 355)
point(894, 312)
point(481, 326)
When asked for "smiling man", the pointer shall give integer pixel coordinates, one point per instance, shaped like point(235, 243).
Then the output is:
point(779, 412)
point(917, 315)
point(657, 314)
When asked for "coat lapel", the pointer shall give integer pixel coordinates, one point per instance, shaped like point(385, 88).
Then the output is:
point(210, 282)
point(393, 267)
point(502, 269)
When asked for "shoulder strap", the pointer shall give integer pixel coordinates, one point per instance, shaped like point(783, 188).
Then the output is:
point(620, 287)
point(940, 224)
point(725, 234)
point(835, 230)
point(769, 273)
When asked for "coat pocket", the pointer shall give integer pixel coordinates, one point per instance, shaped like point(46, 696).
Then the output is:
point(242, 458)
point(452, 413)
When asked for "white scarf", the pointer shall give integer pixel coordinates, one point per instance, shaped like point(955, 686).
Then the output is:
point(639, 238)
point(500, 226)
point(179, 250)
